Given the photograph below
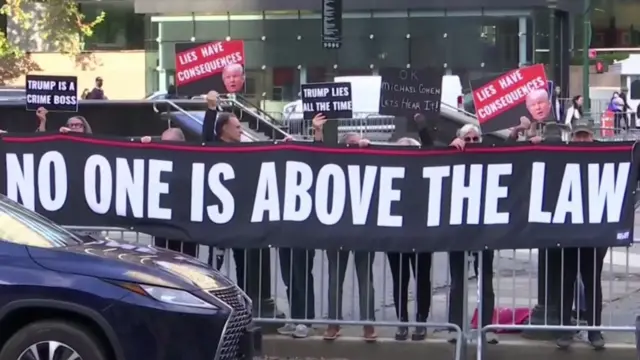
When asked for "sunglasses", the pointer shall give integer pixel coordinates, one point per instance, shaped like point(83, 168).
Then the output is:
point(75, 125)
point(472, 139)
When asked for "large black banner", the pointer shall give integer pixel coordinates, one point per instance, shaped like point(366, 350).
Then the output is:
point(314, 196)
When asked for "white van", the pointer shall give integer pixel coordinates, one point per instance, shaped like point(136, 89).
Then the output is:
point(366, 96)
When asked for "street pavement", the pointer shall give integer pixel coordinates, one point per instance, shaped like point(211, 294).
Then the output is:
point(514, 284)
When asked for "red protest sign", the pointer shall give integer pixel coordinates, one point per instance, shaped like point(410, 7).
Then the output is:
point(199, 67)
point(501, 101)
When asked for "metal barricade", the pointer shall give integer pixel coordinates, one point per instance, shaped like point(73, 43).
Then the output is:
point(374, 127)
point(329, 290)
point(620, 290)
point(324, 290)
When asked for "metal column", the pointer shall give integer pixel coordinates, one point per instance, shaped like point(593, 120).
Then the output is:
point(586, 43)
point(162, 73)
point(522, 41)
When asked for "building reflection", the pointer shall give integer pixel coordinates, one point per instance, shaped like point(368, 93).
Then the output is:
point(283, 50)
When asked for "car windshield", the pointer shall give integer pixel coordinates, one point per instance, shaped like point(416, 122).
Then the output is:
point(20, 225)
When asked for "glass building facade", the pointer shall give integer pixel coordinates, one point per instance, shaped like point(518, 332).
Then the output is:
point(284, 49)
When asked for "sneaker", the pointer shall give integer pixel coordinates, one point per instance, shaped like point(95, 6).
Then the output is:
point(596, 340)
point(300, 332)
point(369, 333)
point(491, 338)
point(419, 334)
point(564, 341)
point(332, 332)
point(402, 333)
point(287, 329)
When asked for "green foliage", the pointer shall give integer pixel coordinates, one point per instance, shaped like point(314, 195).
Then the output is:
point(58, 22)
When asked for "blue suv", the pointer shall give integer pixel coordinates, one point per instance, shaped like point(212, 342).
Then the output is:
point(65, 296)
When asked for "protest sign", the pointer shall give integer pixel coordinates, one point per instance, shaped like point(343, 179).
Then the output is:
point(315, 196)
point(406, 92)
point(217, 65)
point(333, 100)
point(52, 92)
point(500, 101)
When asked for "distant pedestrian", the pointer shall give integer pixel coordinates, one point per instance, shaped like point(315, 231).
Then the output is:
point(574, 113)
point(97, 93)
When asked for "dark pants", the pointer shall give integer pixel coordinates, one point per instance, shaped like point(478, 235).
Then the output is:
point(187, 248)
point(456, 295)
point(590, 265)
point(253, 271)
point(296, 266)
point(420, 264)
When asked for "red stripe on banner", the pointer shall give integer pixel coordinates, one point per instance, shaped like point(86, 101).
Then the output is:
point(315, 149)
point(507, 91)
point(207, 60)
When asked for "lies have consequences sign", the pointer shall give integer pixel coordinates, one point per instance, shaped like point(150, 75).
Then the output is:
point(385, 199)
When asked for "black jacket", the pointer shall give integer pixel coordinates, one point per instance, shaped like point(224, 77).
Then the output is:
point(208, 125)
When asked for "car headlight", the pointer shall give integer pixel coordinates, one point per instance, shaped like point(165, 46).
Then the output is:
point(176, 297)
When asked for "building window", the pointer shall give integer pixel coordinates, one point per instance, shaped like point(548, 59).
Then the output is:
point(122, 28)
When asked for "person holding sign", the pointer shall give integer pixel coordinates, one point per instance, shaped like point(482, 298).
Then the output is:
point(339, 259)
point(401, 265)
point(253, 270)
point(580, 263)
point(77, 124)
point(470, 134)
point(210, 117)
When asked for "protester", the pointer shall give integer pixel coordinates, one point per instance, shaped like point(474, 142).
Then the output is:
point(77, 124)
point(338, 260)
point(296, 266)
point(470, 134)
point(210, 117)
point(85, 93)
point(401, 265)
point(587, 262)
point(407, 141)
point(188, 248)
point(251, 264)
point(171, 134)
point(97, 93)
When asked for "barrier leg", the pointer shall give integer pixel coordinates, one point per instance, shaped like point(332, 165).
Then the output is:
point(545, 312)
point(480, 307)
point(258, 282)
point(638, 336)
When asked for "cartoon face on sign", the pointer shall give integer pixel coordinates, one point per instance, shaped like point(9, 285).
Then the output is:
point(538, 104)
point(233, 78)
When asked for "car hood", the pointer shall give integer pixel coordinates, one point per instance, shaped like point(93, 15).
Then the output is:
point(124, 261)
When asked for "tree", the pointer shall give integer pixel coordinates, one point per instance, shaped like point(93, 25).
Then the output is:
point(57, 22)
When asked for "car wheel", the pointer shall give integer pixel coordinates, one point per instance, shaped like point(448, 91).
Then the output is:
point(52, 339)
